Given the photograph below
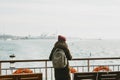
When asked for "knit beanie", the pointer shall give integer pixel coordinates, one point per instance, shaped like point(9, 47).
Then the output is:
point(61, 38)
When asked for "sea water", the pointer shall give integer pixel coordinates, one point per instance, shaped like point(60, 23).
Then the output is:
point(41, 48)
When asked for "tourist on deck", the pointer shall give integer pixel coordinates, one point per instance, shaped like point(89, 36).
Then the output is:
point(62, 73)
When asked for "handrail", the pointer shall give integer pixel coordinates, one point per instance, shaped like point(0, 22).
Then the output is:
point(37, 60)
point(7, 61)
point(96, 58)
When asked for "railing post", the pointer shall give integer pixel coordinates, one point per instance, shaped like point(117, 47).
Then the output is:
point(0, 68)
point(88, 65)
point(46, 69)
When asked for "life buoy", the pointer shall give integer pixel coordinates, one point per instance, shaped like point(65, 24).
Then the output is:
point(72, 70)
point(101, 68)
point(21, 70)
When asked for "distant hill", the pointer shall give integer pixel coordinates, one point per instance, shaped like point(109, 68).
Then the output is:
point(12, 37)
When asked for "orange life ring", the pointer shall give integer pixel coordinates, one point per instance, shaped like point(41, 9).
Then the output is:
point(72, 70)
point(101, 68)
point(22, 70)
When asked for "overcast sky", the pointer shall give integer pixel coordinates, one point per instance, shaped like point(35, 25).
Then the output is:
point(76, 18)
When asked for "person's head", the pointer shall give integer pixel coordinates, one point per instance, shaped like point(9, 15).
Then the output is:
point(61, 38)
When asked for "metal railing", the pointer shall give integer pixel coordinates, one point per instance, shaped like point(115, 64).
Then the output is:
point(45, 67)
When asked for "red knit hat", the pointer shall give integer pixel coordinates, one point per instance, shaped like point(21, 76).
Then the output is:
point(61, 38)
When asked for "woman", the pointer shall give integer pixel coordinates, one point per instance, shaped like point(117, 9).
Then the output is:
point(62, 73)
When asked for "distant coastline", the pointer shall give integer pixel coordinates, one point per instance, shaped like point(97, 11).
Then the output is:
point(42, 36)
point(12, 37)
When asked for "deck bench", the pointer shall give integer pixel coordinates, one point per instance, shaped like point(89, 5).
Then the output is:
point(113, 75)
point(7, 77)
point(85, 76)
point(26, 76)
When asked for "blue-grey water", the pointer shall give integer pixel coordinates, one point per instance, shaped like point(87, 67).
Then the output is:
point(41, 48)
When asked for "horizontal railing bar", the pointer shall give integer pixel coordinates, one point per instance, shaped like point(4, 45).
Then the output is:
point(106, 58)
point(52, 67)
point(27, 67)
point(6, 61)
point(97, 58)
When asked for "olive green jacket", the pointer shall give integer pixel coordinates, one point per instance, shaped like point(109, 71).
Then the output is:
point(61, 45)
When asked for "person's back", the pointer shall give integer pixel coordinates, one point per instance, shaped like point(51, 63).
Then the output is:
point(62, 73)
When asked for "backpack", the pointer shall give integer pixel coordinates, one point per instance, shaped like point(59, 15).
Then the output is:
point(59, 59)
